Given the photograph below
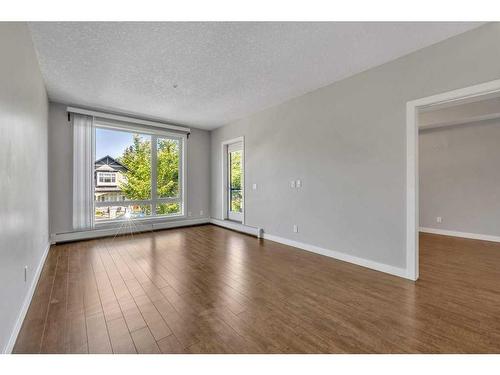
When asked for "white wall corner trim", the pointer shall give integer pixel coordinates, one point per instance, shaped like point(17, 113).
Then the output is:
point(392, 270)
point(257, 232)
point(27, 301)
point(138, 227)
point(453, 233)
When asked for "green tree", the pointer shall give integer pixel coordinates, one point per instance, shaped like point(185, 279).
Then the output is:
point(235, 175)
point(137, 182)
point(168, 168)
point(137, 159)
point(168, 174)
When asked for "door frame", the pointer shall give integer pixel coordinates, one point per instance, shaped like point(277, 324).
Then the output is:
point(224, 171)
point(412, 178)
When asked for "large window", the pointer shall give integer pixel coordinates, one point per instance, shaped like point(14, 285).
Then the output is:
point(137, 173)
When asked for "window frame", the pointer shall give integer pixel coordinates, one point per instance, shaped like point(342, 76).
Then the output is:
point(224, 168)
point(155, 134)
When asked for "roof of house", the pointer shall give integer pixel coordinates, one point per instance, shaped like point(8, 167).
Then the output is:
point(107, 162)
point(105, 168)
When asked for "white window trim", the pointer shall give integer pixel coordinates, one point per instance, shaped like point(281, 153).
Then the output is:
point(103, 175)
point(155, 134)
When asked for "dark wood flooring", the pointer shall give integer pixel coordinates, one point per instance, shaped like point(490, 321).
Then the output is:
point(209, 290)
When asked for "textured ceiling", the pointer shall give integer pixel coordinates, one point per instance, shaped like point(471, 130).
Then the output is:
point(223, 71)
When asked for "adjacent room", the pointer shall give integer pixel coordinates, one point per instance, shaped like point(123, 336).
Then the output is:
point(249, 187)
point(459, 206)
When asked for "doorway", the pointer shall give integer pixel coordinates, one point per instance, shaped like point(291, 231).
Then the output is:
point(414, 110)
point(233, 172)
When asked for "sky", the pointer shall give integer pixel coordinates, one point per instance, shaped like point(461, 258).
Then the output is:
point(111, 142)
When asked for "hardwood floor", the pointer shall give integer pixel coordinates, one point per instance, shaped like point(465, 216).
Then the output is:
point(210, 290)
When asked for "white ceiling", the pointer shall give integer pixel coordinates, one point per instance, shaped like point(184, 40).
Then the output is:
point(223, 71)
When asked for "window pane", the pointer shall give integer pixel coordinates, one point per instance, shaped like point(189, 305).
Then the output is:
point(122, 167)
point(168, 208)
point(122, 212)
point(235, 169)
point(236, 196)
point(168, 165)
point(236, 200)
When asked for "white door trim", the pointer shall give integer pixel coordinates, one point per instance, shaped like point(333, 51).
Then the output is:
point(412, 215)
point(224, 145)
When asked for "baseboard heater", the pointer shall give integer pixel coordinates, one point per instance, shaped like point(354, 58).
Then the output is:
point(257, 232)
point(138, 227)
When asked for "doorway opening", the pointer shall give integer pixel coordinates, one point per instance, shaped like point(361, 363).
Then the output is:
point(233, 173)
point(437, 111)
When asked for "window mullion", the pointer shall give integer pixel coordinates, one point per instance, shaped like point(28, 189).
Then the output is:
point(154, 169)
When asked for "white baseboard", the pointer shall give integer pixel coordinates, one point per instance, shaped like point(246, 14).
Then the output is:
point(396, 271)
point(138, 227)
point(26, 304)
point(257, 232)
point(474, 236)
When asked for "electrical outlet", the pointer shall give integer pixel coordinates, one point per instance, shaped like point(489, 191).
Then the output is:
point(254, 186)
point(295, 228)
point(439, 219)
point(201, 212)
point(292, 184)
point(190, 213)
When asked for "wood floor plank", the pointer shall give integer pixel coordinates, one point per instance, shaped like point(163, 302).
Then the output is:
point(30, 336)
point(205, 289)
point(54, 336)
point(76, 333)
point(170, 345)
point(121, 341)
point(97, 333)
point(145, 342)
point(153, 319)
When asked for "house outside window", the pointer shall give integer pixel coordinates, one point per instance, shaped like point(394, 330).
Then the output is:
point(109, 176)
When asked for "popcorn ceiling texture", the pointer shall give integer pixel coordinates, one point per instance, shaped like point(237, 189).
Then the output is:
point(224, 71)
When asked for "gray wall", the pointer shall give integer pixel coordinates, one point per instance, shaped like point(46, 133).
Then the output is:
point(460, 177)
point(485, 109)
point(61, 171)
point(347, 142)
point(23, 171)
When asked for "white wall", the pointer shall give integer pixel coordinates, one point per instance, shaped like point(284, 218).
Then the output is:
point(347, 143)
point(61, 171)
point(23, 171)
point(459, 170)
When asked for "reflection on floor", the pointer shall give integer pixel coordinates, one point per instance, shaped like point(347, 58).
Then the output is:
point(210, 290)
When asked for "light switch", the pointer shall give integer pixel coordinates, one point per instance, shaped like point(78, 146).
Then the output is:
point(298, 184)
point(254, 186)
point(292, 184)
